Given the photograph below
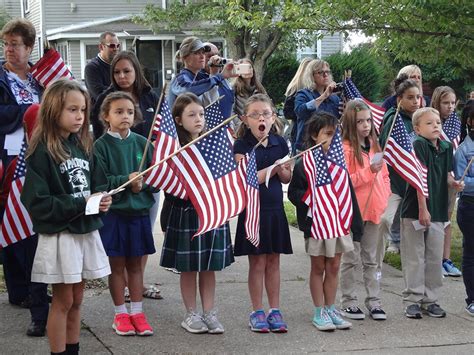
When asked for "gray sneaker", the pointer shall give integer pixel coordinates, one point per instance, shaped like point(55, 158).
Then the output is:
point(213, 324)
point(434, 310)
point(413, 311)
point(193, 323)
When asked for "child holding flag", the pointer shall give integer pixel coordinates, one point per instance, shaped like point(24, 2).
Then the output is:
point(422, 219)
point(327, 230)
point(444, 100)
point(200, 255)
point(260, 121)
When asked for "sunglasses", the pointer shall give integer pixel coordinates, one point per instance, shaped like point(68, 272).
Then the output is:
point(112, 45)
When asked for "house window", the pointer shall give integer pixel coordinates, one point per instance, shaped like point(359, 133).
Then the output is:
point(91, 52)
point(26, 6)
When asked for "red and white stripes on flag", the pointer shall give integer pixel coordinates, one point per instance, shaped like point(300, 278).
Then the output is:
point(212, 180)
point(351, 92)
point(451, 131)
point(16, 223)
point(400, 155)
point(166, 143)
point(50, 68)
point(328, 196)
point(248, 165)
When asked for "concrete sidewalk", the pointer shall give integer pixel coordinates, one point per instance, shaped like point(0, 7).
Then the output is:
point(397, 335)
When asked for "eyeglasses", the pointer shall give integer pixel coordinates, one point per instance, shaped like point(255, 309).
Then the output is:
point(323, 72)
point(13, 46)
point(112, 45)
point(256, 115)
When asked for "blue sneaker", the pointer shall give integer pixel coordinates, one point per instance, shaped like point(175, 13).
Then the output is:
point(451, 269)
point(258, 322)
point(336, 319)
point(276, 322)
point(321, 319)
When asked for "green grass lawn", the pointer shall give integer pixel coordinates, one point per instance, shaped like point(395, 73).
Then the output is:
point(394, 259)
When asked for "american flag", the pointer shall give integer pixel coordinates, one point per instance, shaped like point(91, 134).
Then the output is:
point(328, 195)
point(452, 130)
point(252, 213)
point(166, 143)
point(399, 153)
point(351, 92)
point(16, 224)
point(214, 118)
point(212, 181)
point(50, 68)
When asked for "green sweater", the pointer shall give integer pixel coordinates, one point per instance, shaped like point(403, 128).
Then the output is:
point(397, 184)
point(119, 158)
point(54, 194)
point(439, 162)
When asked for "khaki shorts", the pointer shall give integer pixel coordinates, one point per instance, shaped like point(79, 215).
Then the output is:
point(69, 258)
point(328, 247)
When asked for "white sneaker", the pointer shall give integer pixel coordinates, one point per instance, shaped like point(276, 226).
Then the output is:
point(193, 323)
point(212, 323)
point(393, 249)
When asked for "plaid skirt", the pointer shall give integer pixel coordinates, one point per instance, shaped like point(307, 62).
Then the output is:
point(211, 251)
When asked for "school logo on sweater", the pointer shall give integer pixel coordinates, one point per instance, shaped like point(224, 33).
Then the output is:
point(75, 168)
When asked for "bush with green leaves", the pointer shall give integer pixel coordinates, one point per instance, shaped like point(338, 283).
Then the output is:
point(278, 74)
point(367, 71)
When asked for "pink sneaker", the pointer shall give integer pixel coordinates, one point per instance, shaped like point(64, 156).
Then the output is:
point(122, 324)
point(141, 325)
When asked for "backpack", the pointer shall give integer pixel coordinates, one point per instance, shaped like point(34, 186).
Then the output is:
point(289, 108)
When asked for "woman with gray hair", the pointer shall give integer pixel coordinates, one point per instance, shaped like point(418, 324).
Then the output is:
point(317, 95)
point(193, 78)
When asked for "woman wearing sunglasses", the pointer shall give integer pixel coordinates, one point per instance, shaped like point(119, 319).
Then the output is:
point(317, 95)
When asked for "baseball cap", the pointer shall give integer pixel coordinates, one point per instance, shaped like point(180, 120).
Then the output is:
point(191, 45)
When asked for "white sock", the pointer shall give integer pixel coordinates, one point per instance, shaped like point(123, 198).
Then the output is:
point(120, 309)
point(136, 307)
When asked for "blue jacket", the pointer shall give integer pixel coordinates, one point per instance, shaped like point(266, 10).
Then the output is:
point(200, 84)
point(11, 114)
point(304, 108)
point(463, 155)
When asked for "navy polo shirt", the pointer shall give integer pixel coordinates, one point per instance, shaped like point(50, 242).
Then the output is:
point(277, 148)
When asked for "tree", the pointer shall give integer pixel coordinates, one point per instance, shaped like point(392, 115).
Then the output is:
point(422, 31)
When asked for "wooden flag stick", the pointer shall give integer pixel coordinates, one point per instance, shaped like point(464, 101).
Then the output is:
point(260, 142)
point(178, 151)
point(212, 103)
point(383, 153)
point(466, 170)
point(148, 141)
point(301, 153)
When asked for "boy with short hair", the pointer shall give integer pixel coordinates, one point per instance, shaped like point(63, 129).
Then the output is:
point(422, 248)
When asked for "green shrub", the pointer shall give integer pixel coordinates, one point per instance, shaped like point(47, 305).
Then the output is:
point(278, 74)
point(367, 71)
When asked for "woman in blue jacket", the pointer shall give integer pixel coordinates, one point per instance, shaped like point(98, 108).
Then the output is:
point(316, 96)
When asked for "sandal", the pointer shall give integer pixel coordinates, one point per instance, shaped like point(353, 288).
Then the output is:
point(126, 294)
point(152, 292)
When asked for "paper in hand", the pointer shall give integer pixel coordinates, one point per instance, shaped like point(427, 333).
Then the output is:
point(271, 167)
point(93, 203)
point(377, 158)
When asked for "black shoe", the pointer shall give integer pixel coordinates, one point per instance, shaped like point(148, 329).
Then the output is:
point(36, 329)
point(413, 311)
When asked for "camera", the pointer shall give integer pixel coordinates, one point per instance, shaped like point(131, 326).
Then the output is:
point(339, 88)
point(220, 64)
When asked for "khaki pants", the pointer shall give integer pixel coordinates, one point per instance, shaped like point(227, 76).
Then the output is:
point(385, 225)
point(421, 252)
point(367, 252)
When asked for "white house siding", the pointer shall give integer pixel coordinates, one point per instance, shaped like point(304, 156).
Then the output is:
point(74, 60)
point(11, 7)
point(34, 15)
point(59, 13)
point(331, 44)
